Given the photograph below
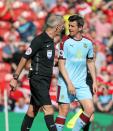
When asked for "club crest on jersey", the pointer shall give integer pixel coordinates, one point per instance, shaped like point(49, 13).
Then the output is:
point(49, 54)
point(85, 45)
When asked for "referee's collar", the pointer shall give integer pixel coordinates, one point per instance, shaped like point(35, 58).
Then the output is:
point(46, 37)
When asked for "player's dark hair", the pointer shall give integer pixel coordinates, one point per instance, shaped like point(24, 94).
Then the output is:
point(78, 19)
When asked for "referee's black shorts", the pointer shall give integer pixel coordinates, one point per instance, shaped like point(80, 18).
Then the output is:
point(40, 91)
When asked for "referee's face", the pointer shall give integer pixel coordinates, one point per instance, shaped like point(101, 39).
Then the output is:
point(59, 27)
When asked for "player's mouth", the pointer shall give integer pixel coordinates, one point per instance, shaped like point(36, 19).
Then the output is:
point(71, 31)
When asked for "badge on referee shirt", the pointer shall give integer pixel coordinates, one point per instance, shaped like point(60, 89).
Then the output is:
point(49, 54)
point(28, 51)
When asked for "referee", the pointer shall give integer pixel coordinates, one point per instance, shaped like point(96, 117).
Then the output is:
point(41, 52)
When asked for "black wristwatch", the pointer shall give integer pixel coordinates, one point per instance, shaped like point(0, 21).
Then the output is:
point(15, 76)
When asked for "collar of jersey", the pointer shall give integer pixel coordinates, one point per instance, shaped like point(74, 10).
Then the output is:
point(46, 38)
point(75, 39)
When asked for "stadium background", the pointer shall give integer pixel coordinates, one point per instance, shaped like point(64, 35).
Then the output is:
point(20, 21)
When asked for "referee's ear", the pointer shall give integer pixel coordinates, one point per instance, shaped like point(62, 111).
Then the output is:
point(57, 27)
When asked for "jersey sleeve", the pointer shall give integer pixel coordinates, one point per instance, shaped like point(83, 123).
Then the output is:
point(63, 51)
point(90, 54)
point(33, 48)
point(63, 48)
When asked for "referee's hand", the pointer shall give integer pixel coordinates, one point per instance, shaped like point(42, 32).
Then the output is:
point(13, 85)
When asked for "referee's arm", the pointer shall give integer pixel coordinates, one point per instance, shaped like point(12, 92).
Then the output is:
point(30, 52)
point(21, 65)
point(13, 82)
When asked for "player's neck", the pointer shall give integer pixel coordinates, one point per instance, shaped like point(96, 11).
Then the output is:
point(78, 36)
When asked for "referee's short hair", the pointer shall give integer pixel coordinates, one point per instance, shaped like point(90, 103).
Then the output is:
point(54, 20)
point(78, 19)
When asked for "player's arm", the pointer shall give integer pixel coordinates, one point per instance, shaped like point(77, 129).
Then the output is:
point(91, 67)
point(25, 58)
point(91, 62)
point(63, 71)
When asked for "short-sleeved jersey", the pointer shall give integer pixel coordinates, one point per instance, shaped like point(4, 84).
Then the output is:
point(75, 54)
point(41, 52)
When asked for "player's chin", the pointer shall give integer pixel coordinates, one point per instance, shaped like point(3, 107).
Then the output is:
point(71, 35)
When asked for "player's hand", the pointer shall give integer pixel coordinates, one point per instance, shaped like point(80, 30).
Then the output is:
point(13, 84)
point(71, 89)
point(94, 87)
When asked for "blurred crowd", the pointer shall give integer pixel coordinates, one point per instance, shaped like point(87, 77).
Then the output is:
point(22, 20)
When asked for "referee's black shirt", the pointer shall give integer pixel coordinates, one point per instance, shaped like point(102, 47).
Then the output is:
point(41, 52)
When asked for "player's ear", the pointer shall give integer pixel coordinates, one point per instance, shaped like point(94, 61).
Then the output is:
point(80, 28)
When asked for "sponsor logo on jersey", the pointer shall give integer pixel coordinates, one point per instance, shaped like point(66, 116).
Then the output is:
point(79, 54)
point(62, 97)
